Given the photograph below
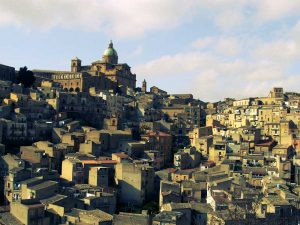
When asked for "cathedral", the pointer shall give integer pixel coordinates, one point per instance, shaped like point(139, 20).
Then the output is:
point(103, 74)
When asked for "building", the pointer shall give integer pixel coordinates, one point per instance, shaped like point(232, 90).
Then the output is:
point(136, 183)
point(38, 189)
point(161, 142)
point(187, 158)
point(35, 157)
point(217, 152)
point(98, 176)
point(12, 184)
point(29, 212)
point(90, 147)
point(72, 170)
point(276, 92)
point(7, 73)
point(132, 218)
point(170, 218)
point(103, 74)
point(144, 86)
point(81, 106)
point(169, 192)
point(77, 216)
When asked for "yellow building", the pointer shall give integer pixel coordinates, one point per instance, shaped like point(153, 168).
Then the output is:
point(29, 212)
point(276, 92)
point(217, 153)
point(72, 170)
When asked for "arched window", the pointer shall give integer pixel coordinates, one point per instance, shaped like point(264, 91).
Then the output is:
point(77, 89)
point(66, 89)
point(71, 89)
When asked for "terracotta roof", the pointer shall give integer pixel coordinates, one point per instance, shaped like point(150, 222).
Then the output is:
point(269, 143)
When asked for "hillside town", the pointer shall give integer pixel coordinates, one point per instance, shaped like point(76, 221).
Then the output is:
point(90, 146)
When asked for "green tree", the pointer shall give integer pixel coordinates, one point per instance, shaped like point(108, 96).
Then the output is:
point(25, 77)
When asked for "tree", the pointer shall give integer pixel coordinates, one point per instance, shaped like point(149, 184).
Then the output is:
point(25, 77)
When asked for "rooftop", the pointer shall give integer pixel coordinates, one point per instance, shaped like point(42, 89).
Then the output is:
point(53, 199)
point(44, 185)
point(168, 217)
point(8, 219)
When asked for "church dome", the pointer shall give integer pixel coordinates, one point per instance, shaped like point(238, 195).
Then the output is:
point(110, 51)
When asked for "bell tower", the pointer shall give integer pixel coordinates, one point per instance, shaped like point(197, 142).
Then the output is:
point(144, 86)
point(75, 65)
point(111, 123)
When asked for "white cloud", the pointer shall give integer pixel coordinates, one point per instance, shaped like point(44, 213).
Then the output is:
point(281, 51)
point(210, 76)
point(228, 46)
point(202, 42)
point(126, 18)
point(215, 66)
point(294, 32)
point(178, 64)
point(229, 19)
point(227, 14)
point(132, 18)
point(270, 10)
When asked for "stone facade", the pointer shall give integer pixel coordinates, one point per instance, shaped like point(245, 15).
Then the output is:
point(103, 74)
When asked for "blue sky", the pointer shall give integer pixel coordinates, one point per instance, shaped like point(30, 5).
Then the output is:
point(210, 48)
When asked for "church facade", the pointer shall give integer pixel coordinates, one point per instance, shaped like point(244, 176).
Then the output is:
point(103, 74)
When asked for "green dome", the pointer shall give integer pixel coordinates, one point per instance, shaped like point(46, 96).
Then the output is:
point(110, 51)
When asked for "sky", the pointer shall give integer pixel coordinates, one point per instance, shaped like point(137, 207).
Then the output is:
point(212, 49)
